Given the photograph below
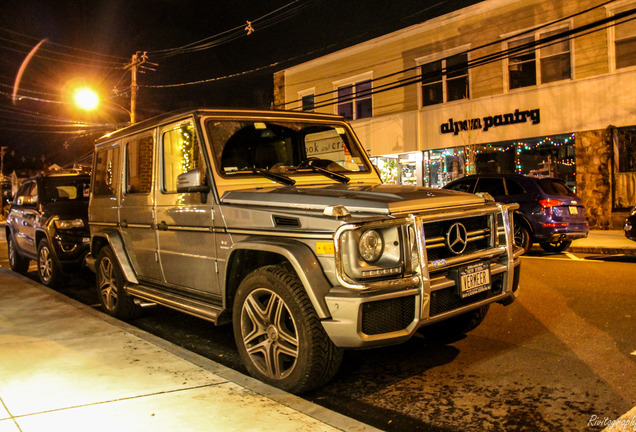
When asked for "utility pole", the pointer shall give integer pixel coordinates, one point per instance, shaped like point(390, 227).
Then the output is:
point(3, 150)
point(138, 59)
point(133, 86)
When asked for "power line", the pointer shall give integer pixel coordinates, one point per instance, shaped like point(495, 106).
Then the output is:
point(82, 52)
point(598, 25)
point(271, 18)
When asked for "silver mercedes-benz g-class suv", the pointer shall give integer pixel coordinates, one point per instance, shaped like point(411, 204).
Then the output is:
point(278, 223)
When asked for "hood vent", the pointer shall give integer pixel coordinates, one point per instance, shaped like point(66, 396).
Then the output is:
point(287, 222)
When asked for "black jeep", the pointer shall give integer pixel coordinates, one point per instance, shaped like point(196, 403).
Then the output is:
point(48, 223)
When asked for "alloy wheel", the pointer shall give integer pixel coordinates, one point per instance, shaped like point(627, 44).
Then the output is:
point(107, 284)
point(269, 333)
point(45, 265)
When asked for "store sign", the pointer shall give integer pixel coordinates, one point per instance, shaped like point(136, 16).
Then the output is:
point(488, 122)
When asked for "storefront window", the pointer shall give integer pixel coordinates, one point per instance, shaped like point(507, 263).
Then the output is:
point(542, 157)
point(627, 149)
point(443, 166)
point(400, 169)
point(408, 168)
point(388, 166)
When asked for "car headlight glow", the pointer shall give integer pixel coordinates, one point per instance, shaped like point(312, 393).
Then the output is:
point(371, 246)
point(69, 224)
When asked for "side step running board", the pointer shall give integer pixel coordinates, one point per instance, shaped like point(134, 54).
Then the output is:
point(206, 311)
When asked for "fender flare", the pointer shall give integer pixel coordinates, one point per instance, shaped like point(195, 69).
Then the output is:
point(113, 239)
point(303, 261)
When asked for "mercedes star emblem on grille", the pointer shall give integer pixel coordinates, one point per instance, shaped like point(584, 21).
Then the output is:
point(456, 238)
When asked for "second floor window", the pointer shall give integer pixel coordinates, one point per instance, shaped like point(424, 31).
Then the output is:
point(354, 101)
point(307, 102)
point(625, 43)
point(445, 80)
point(539, 59)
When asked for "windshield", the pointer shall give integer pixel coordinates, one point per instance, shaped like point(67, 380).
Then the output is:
point(281, 147)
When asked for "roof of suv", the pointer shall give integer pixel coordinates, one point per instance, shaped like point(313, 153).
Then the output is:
point(173, 115)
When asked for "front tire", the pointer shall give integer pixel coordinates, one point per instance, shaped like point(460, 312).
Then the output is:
point(110, 280)
point(558, 246)
point(278, 334)
point(17, 262)
point(49, 270)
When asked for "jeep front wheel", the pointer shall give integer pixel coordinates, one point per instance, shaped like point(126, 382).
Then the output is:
point(49, 270)
point(110, 281)
point(278, 334)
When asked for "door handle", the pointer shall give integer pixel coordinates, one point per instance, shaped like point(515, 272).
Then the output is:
point(163, 226)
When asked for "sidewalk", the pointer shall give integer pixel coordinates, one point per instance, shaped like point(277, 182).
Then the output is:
point(65, 366)
point(605, 242)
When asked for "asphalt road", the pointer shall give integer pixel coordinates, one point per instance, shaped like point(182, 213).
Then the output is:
point(562, 357)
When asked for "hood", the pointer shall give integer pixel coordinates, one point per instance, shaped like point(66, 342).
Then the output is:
point(382, 199)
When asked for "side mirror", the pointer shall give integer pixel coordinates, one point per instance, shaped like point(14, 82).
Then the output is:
point(191, 182)
point(26, 200)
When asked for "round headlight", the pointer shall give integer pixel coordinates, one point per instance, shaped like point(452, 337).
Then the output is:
point(371, 246)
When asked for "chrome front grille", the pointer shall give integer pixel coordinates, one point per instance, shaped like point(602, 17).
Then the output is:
point(479, 231)
point(485, 242)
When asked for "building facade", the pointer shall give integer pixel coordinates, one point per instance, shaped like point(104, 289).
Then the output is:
point(541, 87)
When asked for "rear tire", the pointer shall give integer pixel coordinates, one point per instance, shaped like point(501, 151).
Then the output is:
point(110, 283)
point(17, 262)
point(278, 334)
point(522, 236)
point(49, 270)
point(558, 246)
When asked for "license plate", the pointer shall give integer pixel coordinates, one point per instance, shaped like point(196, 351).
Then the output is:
point(574, 210)
point(474, 279)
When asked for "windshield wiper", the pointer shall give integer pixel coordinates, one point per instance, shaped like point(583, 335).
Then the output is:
point(328, 173)
point(279, 178)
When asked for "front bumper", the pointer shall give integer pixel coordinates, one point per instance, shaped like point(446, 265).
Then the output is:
point(377, 317)
point(71, 249)
point(367, 320)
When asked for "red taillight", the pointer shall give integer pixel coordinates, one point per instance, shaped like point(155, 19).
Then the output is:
point(555, 225)
point(548, 203)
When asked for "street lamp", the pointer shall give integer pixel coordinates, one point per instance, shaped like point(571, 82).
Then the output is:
point(86, 98)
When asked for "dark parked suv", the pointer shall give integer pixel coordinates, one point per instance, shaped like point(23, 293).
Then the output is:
point(630, 225)
point(48, 223)
point(549, 212)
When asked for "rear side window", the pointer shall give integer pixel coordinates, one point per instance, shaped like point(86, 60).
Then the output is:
point(554, 187)
point(106, 170)
point(139, 165)
point(514, 187)
point(466, 185)
point(494, 186)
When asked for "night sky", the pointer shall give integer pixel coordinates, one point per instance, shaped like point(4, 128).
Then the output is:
point(191, 41)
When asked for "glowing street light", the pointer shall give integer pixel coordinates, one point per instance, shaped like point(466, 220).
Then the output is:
point(86, 99)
